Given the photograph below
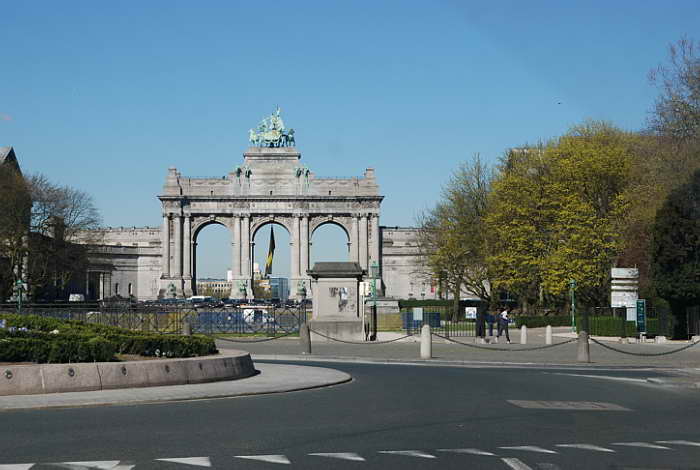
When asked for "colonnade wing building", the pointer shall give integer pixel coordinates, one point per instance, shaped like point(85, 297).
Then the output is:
point(270, 186)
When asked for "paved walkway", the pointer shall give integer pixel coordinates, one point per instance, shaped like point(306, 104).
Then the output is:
point(470, 353)
point(273, 378)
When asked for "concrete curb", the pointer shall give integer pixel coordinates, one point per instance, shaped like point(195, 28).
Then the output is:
point(272, 378)
point(61, 378)
point(449, 363)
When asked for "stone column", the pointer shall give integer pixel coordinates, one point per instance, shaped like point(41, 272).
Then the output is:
point(294, 248)
point(375, 240)
point(246, 267)
point(187, 241)
point(236, 248)
point(304, 247)
point(363, 242)
point(178, 246)
point(354, 241)
point(166, 246)
point(101, 287)
point(108, 285)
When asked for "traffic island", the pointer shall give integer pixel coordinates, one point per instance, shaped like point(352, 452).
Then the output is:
point(77, 377)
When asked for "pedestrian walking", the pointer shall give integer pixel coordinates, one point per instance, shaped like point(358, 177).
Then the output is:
point(503, 320)
point(490, 319)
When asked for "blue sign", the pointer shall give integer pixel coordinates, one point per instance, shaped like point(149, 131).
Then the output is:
point(642, 315)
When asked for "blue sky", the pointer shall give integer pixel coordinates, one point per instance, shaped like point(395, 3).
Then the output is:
point(105, 96)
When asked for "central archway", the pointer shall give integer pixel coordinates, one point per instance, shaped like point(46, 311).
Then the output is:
point(274, 284)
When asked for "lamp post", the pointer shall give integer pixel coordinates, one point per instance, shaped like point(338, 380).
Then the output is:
point(572, 293)
point(374, 274)
point(19, 289)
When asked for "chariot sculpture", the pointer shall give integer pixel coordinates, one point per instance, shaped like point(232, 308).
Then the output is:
point(272, 133)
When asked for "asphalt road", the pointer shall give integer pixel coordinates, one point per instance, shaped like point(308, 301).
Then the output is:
point(389, 416)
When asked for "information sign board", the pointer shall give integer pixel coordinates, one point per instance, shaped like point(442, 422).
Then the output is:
point(641, 315)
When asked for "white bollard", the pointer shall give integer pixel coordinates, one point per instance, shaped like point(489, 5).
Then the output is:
point(548, 335)
point(426, 343)
point(523, 334)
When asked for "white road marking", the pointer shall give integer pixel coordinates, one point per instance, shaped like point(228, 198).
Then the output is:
point(548, 466)
point(568, 405)
point(409, 453)
point(516, 464)
point(342, 455)
point(469, 451)
point(196, 461)
point(100, 464)
point(16, 466)
point(681, 443)
point(282, 459)
point(530, 449)
point(645, 445)
point(604, 377)
point(586, 447)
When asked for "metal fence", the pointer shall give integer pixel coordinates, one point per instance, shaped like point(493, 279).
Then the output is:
point(170, 319)
point(612, 321)
point(439, 319)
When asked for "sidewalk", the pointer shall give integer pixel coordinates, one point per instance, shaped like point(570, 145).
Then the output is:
point(408, 350)
point(273, 378)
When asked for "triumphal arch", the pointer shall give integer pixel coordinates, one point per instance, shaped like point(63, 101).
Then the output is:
point(270, 186)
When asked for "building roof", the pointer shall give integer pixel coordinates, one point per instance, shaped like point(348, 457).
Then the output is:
point(336, 269)
point(8, 157)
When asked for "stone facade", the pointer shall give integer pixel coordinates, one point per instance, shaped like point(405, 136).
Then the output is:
point(403, 275)
point(123, 261)
point(271, 186)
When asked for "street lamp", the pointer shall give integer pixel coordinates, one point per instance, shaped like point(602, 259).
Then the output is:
point(19, 289)
point(572, 293)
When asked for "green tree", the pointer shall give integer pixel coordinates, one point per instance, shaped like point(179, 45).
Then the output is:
point(676, 248)
point(554, 215)
point(15, 211)
point(451, 236)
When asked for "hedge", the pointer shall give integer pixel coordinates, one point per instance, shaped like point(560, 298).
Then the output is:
point(87, 342)
point(539, 321)
point(58, 350)
point(608, 326)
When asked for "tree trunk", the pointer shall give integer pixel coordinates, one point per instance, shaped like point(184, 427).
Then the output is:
point(455, 311)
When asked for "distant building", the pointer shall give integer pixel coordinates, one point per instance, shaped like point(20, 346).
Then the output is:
point(279, 288)
point(219, 288)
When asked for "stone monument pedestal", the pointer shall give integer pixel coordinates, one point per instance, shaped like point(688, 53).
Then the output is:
point(336, 306)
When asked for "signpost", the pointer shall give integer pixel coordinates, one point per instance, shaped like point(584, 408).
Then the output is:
point(572, 291)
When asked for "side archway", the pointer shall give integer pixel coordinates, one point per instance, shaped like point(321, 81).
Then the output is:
point(330, 240)
point(208, 246)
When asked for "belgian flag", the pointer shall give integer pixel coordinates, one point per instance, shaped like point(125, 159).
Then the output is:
point(270, 254)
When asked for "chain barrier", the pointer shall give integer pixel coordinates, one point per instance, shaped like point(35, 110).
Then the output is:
point(492, 348)
point(622, 351)
point(262, 340)
point(361, 342)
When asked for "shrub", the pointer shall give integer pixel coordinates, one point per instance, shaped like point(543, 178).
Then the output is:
point(87, 342)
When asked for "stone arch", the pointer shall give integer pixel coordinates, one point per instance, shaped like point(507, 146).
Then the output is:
point(261, 222)
point(201, 222)
point(337, 221)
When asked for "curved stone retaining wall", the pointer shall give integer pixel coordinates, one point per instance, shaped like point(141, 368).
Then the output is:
point(55, 378)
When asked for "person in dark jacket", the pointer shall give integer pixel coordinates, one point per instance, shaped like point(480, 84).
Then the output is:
point(490, 319)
